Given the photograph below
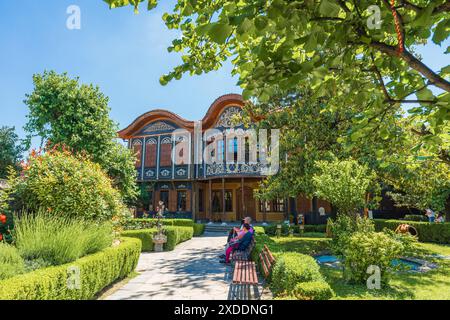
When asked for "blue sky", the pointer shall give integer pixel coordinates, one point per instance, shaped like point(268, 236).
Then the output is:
point(123, 53)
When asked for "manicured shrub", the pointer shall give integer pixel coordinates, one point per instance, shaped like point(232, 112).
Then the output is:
point(292, 268)
point(11, 263)
point(320, 228)
point(271, 229)
point(199, 229)
point(428, 232)
point(364, 249)
point(175, 235)
point(96, 272)
point(416, 217)
point(314, 290)
point(344, 227)
point(66, 184)
point(145, 235)
point(59, 239)
point(142, 223)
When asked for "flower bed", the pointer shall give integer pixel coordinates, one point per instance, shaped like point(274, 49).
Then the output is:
point(96, 271)
point(175, 235)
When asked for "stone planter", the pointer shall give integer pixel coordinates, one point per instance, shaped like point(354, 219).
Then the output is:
point(158, 242)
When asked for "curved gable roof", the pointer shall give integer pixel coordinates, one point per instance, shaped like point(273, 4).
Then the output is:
point(159, 114)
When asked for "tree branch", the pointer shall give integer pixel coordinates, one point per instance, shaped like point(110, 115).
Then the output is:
point(414, 63)
point(327, 19)
point(411, 101)
point(343, 5)
point(380, 79)
point(445, 7)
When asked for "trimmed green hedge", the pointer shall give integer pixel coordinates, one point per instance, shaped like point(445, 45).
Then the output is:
point(140, 223)
point(416, 217)
point(199, 229)
point(272, 228)
point(145, 235)
point(314, 290)
point(291, 272)
point(428, 232)
point(97, 271)
point(321, 228)
point(292, 268)
point(175, 235)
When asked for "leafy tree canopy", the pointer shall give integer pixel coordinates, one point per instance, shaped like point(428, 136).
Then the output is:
point(335, 46)
point(345, 184)
point(10, 150)
point(65, 112)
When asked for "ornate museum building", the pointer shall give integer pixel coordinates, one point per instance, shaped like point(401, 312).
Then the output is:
point(213, 192)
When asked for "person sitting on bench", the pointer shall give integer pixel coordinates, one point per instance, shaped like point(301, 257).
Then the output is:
point(239, 244)
point(234, 232)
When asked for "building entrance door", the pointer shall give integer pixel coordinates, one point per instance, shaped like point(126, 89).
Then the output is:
point(249, 208)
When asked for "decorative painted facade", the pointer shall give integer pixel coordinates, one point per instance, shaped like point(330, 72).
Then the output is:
point(218, 191)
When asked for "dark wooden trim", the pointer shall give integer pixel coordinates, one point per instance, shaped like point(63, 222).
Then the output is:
point(223, 196)
point(210, 199)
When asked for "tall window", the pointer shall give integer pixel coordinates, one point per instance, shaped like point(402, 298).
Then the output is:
point(137, 149)
point(278, 205)
point(181, 200)
point(264, 205)
point(150, 152)
point(247, 150)
point(164, 197)
point(166, 152)
point(200, 200)
point(233, 148)
point(220, 150)
point(228, 200)
point(217, 201)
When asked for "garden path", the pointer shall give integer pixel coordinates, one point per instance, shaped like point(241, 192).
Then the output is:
point(190, 272)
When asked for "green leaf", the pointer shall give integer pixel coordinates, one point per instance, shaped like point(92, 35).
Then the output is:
point(423, 18)
point(245, 26)
point(445, 71)
point(219, 32)
point(442, 31)
point(261, 22)
point(329, 8)
point(311, 43)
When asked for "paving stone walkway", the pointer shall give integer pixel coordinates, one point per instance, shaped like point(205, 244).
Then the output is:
point(191, 272)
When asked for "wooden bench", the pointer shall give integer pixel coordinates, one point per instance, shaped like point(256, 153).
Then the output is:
point(245, 270)
point(267, 261)
point(244, 255)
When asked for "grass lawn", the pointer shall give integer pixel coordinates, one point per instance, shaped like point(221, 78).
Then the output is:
point(434, 284)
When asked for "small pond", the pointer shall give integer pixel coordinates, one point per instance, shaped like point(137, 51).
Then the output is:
point(404, 264)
